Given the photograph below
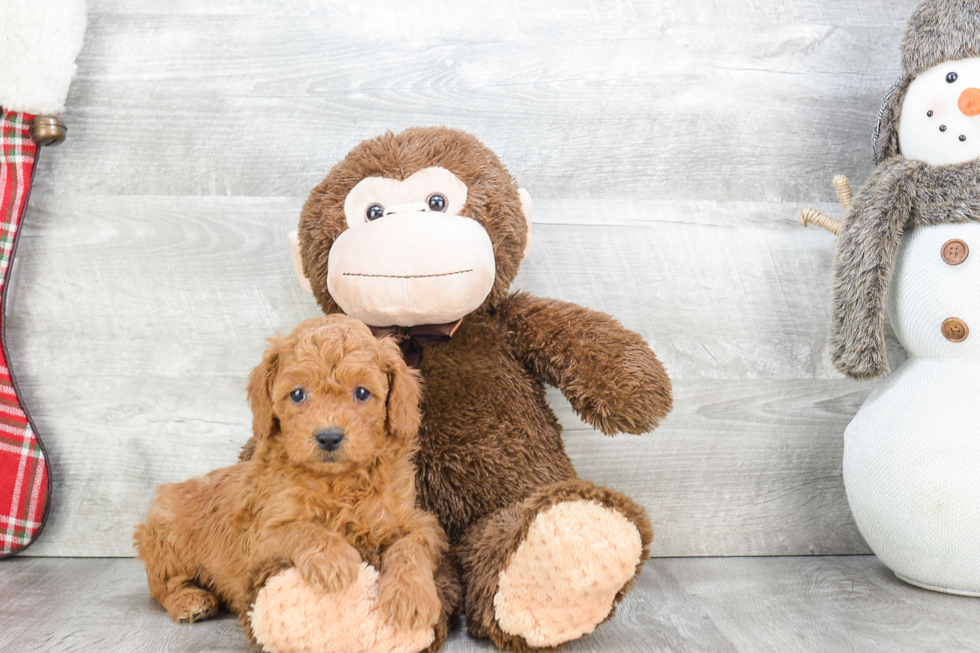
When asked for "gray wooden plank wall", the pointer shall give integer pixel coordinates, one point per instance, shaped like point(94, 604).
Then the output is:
point(668, 145)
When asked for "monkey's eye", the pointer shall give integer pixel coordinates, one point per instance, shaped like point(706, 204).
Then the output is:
point(436, 202)
point(952, 77)
point(298, 395)
point(375, 211)
point(362, 394)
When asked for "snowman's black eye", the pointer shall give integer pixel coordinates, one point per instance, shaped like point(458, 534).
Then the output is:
point(952, 77)
point(298, 396)
point(962, 138)
point(362, 394)
point(375, 211)
point(436, 202)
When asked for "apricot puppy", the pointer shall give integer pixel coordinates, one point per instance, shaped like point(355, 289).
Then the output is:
point(331, 484)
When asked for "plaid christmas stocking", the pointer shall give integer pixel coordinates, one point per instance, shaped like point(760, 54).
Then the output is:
point(25, 482)
point(39, 40)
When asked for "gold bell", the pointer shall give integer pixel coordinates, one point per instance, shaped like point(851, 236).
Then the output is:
point(48, 130)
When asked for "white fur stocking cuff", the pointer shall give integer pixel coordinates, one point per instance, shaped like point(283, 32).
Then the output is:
point(39, 41)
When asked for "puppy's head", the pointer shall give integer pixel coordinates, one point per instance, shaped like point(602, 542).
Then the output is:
point(330, 396)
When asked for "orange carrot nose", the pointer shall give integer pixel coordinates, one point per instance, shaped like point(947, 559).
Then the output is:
point(970, 102)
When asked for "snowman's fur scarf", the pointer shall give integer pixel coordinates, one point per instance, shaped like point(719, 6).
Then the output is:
point(39, 40)
point(901, 193)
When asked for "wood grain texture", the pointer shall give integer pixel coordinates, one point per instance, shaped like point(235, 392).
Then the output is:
point(840, 604)
point(680, 605)
point(71, 606)
point(647, 99)
point(668, 145)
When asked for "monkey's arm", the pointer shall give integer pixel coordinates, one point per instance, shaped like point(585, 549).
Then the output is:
point(609, 374)
point(863, 268)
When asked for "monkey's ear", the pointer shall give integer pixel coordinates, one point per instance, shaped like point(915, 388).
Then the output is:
point(264, 420)
point(526, 210)
point(304, 282)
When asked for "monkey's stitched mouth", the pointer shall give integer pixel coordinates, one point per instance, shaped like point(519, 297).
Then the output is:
point(405, 276)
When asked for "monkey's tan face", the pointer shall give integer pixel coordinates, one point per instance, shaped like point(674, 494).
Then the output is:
point(408, 257)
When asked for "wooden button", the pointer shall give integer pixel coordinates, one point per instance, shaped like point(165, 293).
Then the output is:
point(955, 251)
point(955, 330)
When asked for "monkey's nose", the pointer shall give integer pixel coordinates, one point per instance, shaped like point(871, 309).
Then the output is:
point(329, 439)
point(970, 102)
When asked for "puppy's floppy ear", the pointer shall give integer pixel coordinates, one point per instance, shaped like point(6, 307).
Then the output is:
point(404, 392)
point(264, 420)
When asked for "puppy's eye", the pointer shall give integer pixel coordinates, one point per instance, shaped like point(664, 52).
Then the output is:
point(362, 394)
point(298, 395)
point(375, 211)
point(952, 77)
point(437, 202)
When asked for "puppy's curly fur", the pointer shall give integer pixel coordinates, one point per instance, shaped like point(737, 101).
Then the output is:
point(295, 503)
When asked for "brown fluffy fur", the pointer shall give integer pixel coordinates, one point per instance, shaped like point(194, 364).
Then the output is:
point(491, 453)
point(218, 538)
point(492, 198)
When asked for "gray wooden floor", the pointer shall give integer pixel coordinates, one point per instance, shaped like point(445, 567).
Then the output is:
point(683, 605)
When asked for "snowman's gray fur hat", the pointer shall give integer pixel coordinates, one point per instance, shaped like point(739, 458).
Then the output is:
point(938, 31)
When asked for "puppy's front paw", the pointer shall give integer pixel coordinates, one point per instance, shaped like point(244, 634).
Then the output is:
point(409, 600)
point(191, 604)
point(330, 570)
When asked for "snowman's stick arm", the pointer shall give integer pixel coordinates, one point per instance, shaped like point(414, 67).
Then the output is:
point(814, 216)
point(844, 195)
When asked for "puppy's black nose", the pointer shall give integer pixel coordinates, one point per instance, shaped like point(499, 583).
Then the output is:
point(329, 439)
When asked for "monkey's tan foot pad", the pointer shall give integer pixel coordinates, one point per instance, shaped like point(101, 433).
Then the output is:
point(192, 604)
point(562, 580)
point(289, 616)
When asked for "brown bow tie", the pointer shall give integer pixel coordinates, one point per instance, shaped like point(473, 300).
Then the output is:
point(413, 339)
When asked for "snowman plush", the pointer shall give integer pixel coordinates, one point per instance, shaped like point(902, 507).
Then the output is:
point(910, 246)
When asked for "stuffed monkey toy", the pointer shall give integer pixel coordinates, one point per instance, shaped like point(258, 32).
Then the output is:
point(420, 234)
point(910, 245)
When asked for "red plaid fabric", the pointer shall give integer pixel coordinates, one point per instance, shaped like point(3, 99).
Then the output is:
point(24, 479)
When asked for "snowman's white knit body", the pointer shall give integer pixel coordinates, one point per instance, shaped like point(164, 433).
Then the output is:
point(912, 452)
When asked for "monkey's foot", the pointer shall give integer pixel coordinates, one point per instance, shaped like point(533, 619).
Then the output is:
point(289, 616)
point(562, 580)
